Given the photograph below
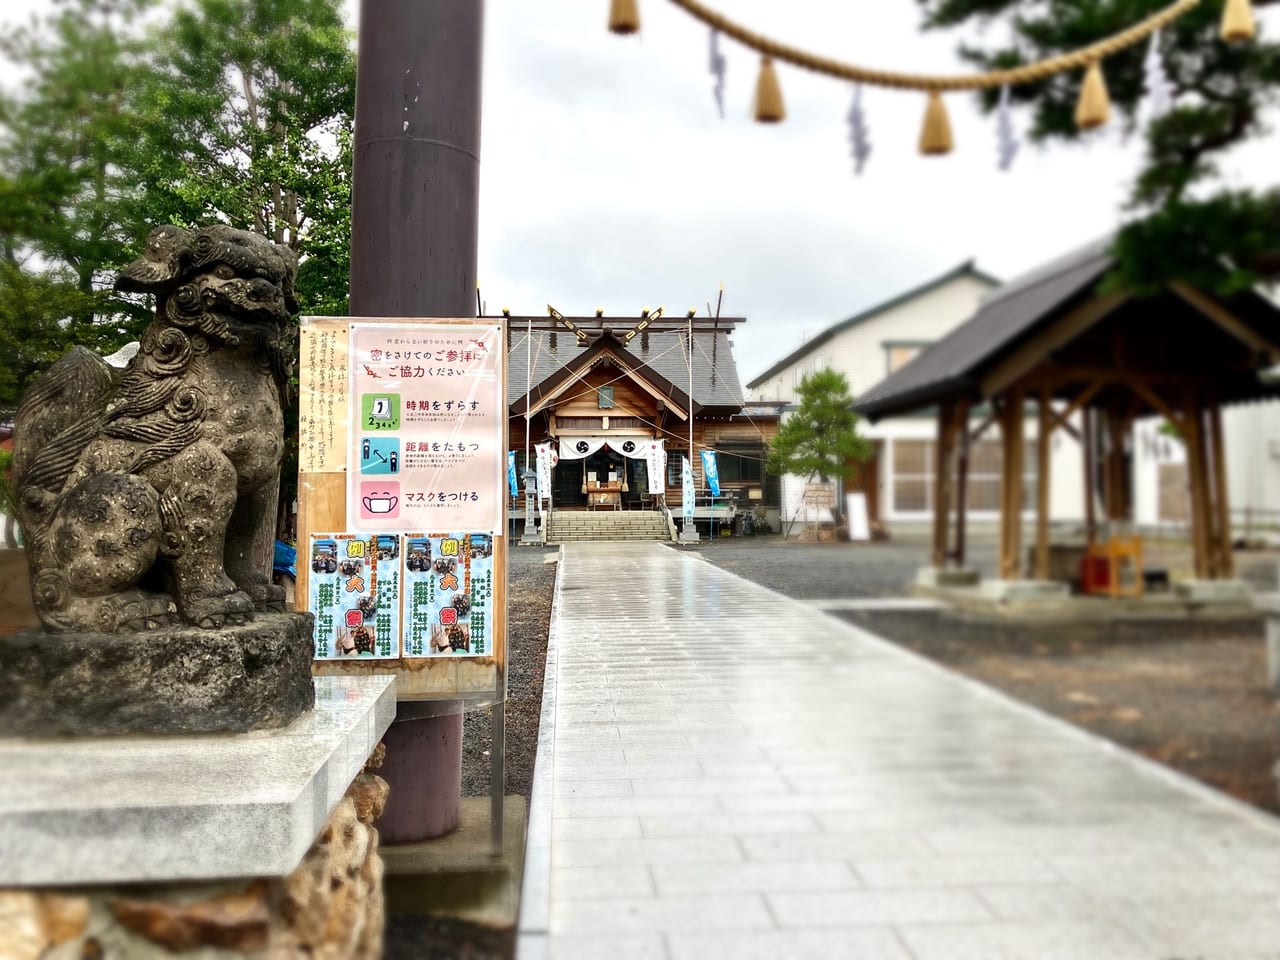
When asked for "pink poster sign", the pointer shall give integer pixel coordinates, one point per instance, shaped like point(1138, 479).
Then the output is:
point(427, 412)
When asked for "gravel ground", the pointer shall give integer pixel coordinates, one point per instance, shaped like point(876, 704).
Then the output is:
point(1189, 693)
point(826, 571)
point(832, 571)
point(530, 585)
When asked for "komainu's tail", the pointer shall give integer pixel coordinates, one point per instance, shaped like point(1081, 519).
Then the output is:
point(60, 413)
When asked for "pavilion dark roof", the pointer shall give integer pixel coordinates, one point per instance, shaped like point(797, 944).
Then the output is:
point(1012, 314)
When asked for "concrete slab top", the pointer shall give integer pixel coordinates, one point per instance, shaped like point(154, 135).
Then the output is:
point(139, 809)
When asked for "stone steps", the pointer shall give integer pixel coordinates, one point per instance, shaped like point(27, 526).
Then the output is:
point(615, 525)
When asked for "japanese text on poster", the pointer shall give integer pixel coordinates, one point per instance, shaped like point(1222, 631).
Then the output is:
point(428, 416)
point(322, 398)
point(354, 593)
point(448, 607)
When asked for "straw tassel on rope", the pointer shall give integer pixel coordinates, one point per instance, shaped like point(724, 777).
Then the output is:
point(935, 136)
point(624, 16)
point(1094, 107)
point(1237, 21)
point(769, 107)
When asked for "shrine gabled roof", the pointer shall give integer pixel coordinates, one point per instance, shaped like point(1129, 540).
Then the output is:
point(662, 353)
point(1014, 314)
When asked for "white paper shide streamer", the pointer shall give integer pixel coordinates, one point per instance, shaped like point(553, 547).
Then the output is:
point(718, 68)
point(1007, 142)
point(859, 135)
point(1155, 81)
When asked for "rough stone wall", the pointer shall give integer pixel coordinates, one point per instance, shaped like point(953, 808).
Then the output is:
point(329, 908)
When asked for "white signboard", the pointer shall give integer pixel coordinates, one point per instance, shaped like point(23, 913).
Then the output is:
point(859, 524)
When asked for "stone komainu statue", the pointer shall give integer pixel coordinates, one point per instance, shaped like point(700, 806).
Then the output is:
point(141, 493)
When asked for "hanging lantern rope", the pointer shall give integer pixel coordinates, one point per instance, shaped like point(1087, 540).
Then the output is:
point(1078, 59)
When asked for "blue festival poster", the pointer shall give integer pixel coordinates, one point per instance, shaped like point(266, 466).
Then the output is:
point(354, 593)
point(448, 594)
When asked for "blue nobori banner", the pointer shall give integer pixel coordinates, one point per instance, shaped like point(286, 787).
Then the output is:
point(711, 472)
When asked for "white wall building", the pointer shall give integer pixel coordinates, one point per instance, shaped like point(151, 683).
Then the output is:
point(1251, 438)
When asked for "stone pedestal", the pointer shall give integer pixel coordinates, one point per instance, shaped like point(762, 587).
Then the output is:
point(170, 680)
point(1023, 592)
point(226, 846)
point(947, 577)
point(1214, 592)
point(534, 534)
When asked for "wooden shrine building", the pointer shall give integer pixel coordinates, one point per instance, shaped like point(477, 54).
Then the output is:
point(603, 389)
point(1089, 363)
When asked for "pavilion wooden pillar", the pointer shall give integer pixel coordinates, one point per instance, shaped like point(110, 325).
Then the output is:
point(1226, 562)
point(962, 481)
point(941, 487)
point(1011, 470)
point(1115, 474)
point(1198, 476)
point(1089, 417)
point(952, 419)
point(1043, 445)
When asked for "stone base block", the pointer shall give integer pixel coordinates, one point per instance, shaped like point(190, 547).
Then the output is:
point(458, 875)
point(1016, 592)
point(947, 577)
point(331, 906)
point(165, 681)
point(1214, 592)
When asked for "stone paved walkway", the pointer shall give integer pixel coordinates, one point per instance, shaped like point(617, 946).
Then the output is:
point(725, 772)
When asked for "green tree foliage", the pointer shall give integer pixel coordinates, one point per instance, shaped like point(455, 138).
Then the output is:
point(1183, 223)
point(820, 439)
point(130, 115)
point(245, 118)
point(63, 136)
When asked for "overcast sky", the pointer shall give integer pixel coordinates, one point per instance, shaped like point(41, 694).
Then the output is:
point(608, 179)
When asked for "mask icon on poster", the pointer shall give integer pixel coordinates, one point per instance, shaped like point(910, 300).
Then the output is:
point(379, 500)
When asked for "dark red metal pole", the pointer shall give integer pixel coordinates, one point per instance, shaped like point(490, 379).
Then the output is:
point(414, 212)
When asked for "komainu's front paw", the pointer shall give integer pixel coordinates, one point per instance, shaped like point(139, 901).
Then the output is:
point(211, 613)
point(265, 596)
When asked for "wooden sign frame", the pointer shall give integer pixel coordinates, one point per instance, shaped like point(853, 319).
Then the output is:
point(322, 508)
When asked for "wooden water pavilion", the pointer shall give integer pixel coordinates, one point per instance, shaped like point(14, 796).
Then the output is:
point(1055, 342)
